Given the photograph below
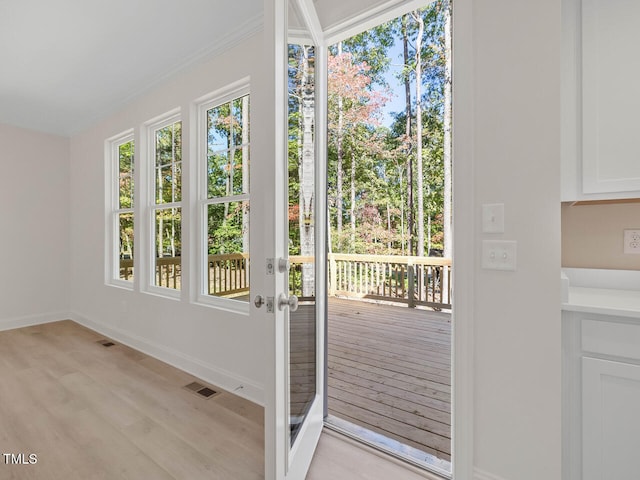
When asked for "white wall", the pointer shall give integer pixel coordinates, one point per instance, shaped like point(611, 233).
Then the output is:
point(34, 243)
point(592, 235)
point(514, 65)
point(221, 347)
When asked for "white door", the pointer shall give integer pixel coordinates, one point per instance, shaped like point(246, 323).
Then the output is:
point(288, 227)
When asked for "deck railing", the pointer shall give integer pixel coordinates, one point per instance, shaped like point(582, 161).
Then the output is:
point(296, 273)
point(169, 272)
point(405, 279)
point(229, 274)
point(126, 268)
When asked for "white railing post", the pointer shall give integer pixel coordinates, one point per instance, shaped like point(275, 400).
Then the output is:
point(333, 277)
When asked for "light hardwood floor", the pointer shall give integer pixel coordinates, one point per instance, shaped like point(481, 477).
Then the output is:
point(90, 412)
point(339, 458)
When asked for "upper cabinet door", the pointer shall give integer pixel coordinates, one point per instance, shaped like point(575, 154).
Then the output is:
point(610, 96)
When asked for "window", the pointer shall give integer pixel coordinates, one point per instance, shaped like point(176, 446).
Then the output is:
point(224, 195)
point(166, 210)
point(121, 199)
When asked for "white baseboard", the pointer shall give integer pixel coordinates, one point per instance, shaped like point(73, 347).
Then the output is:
point(242, 387)
point(482, 475)
point(30, 320)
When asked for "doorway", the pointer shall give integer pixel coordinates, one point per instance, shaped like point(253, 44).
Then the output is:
point(389, 252)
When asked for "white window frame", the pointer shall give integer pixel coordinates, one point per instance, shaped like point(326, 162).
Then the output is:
point(151, 127)
point(113, 210)
point(219, 97)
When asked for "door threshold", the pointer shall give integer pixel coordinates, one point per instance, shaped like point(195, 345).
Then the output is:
point(399, 451)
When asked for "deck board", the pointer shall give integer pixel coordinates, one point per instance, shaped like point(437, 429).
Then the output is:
point(389, 371)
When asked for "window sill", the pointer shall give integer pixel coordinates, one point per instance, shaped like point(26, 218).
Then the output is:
point(228, 305)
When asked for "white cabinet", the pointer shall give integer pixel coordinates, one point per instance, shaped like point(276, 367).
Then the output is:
point(610, 419)
point(601, 396)
point(600, 99)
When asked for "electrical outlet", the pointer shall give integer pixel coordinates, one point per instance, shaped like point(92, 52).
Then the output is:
point(632, 241)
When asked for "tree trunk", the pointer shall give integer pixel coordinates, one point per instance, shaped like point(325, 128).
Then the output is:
point(447, 210)
point(352, 209)
point(428, 235)
point(307, 174)
point(340, 153)
point(407, 98)
point(159, 215)
point(402, 231)
point(245, 172)
point(419, 170)
point(388, 229)
point(229, 177)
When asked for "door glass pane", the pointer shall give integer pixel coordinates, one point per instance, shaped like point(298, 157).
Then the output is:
point(301, 155)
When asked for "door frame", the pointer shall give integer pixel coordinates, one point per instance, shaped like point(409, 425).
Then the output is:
point(463, 258)
point(464, 211)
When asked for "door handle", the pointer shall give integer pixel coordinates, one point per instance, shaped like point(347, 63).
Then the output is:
point(258, 301)
point(291, 302)
point(283, 265)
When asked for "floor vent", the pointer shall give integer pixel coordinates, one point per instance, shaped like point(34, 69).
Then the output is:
point(200, 390)
point(106, 343)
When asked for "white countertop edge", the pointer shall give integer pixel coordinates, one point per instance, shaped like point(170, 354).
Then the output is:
point(621, 303)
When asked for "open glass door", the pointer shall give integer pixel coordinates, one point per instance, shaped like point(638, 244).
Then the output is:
point(292, 255)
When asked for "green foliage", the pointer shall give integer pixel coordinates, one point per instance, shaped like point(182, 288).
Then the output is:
point(227, 176)
point(125, 194)
point(168, 150)
point(381, 154)
point(168, 187)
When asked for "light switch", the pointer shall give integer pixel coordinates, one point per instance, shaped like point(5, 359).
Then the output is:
point(499, 255)
point(493, 218)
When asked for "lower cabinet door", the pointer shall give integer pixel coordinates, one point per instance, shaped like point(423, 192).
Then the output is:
point(610, 420)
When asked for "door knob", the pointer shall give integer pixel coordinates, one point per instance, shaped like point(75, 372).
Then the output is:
point(283, 265)
point(291, 302)
point(258, 301)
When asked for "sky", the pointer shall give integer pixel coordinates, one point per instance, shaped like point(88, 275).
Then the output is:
point(396, 104)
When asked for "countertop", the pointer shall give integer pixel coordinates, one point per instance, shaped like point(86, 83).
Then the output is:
point(603, 301)
point(604, 292)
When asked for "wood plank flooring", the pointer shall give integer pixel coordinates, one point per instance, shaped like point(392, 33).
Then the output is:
point(90, 412)
point(389, 371)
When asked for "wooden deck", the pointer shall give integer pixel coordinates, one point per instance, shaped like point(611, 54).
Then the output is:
point(389, 371)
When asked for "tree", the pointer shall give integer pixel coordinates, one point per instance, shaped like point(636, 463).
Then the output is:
point(389, 183)
point(448, 181)
point(420, 178)
point(408, 116)
point(301, 127)
point(351, 105)
point(228, 176)
point(125, 190)
point(168, 150)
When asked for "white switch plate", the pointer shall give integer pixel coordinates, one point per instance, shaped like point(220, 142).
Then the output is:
point(499, 255)
point(493, 218)
point(632, 241)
